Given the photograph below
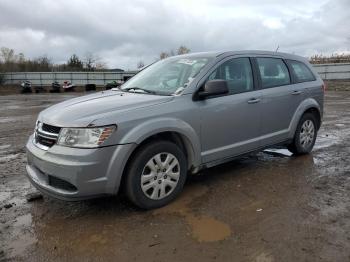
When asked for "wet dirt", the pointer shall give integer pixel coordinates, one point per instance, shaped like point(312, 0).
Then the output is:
point(271, 206)
point(203, 228)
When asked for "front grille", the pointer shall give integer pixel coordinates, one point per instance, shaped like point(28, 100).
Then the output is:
point(51, 129)
point(61, 184)
point(46, 135)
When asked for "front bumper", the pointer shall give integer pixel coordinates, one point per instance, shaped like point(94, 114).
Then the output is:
point(75, 174)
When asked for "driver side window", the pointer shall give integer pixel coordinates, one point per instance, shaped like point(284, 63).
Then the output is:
point(238, 74)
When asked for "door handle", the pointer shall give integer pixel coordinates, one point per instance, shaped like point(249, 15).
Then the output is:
point(296, 92)
point(253, 101)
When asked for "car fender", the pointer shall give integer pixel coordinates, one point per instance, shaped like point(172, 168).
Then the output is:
point(304, 106)
point(151, 127)
point(134, 137)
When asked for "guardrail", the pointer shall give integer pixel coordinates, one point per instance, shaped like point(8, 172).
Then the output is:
point(326, 71)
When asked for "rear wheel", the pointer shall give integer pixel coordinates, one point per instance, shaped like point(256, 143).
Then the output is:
point(305, 135)
point(156, 174)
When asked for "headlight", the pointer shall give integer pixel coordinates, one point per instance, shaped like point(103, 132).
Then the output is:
point(84, 137)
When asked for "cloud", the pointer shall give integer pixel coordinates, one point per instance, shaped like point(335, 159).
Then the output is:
point(124, 32)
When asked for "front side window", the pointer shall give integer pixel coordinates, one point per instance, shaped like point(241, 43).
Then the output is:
point(167, 77)
point(238, 74)
point(301, 71)
point(273, 72)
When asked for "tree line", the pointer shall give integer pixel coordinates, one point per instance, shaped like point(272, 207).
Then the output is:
point(10, 61)
point(331, 59)
point(164, 54)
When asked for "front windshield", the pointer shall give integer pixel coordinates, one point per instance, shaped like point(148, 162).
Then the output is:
point(166, 77)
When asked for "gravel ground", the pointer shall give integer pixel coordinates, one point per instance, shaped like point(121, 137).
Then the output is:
point(268, 207)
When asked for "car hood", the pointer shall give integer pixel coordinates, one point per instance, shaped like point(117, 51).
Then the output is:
point(81, 111)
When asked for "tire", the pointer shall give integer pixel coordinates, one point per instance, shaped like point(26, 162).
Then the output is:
point(305, 135)
point(150, 181)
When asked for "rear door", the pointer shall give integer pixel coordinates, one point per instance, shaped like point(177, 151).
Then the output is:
point(281, 98)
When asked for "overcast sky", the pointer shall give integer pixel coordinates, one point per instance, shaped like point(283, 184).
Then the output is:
point(124, 32)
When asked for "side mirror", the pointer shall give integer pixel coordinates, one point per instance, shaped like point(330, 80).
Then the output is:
point(213, 88)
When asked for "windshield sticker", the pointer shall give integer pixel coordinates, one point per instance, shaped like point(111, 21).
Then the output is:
point(187, 61)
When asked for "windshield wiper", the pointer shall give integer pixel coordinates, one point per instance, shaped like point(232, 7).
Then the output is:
point(139, 88)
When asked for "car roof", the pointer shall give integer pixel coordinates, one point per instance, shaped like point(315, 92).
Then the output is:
point(245, 52)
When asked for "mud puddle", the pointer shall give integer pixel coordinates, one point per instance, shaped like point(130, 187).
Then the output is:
point(203, 228)
point(23, 237)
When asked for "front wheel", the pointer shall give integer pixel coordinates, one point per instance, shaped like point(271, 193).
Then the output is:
point(305, 135)
point(156, 174)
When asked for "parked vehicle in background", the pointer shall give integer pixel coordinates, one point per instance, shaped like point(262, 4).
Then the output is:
point(26, 87)
point(112, 84)
point(55, 87)
point(68, 86)
point(179, 115)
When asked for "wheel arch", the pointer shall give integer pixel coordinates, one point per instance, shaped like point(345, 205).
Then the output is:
point(316, 113)
point(308, 105)
point(174, 130)
point(175, 137)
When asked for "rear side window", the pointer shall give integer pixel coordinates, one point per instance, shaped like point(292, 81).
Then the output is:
point(238, 74)
point(301, 71)
point(273, 72)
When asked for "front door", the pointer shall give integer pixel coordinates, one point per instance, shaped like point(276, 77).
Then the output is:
point(230, 124)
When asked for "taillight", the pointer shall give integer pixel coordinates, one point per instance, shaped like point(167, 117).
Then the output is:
point(324, 86)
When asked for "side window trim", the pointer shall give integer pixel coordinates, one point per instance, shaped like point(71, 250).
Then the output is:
point(202, 81)
point(292, 77)
point(256, 73)
point(259, 76)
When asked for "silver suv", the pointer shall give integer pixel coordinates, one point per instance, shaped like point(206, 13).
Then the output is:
point(179, 115)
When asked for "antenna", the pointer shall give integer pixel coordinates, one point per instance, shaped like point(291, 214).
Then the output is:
point(278, 46)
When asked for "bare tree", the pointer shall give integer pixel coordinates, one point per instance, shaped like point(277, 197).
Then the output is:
point(183, 50)
point(74, 63)
point(43, 63)
point(180, 51)
point(90, 61)
point(8, 58)
point(164, 55)
point(8, 55)
point(93, 62)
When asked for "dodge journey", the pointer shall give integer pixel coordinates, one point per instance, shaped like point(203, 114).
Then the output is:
point(175, 117)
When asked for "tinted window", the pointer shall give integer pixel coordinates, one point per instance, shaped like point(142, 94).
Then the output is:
point(301, 71)
point(273, 72)
point(238, 74)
